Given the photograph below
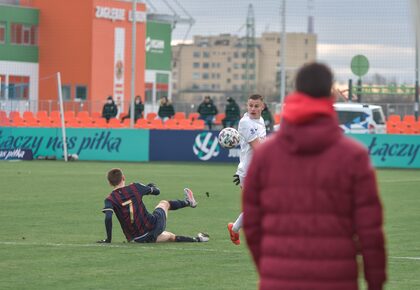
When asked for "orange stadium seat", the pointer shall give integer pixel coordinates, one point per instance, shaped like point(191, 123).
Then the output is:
point(100, 123)
point(156, 124)
point(171, 124)
point(42, 115)
point(151, 116)
point(96, 115)
point(193, 116)
point(277, 119)
point(185, 124)
point(14, 114)
point(179, 115)
point(115, 123)
point(394, 118)
point(83, 115)
point(141, 123)
point(198, 124)
point(29, 117)
point(409, 119)
point(219, 118)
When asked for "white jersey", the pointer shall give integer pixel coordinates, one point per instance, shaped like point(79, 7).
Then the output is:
point(249, 129)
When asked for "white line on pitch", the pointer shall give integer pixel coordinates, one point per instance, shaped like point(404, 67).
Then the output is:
point(399, 180)
point(126, 246)
point(406, 258)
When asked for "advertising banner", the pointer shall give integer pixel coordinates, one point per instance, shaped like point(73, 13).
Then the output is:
point(88, 144)
point(158, 46)
point(186, 145)
point(16, 154)
point(386, 150)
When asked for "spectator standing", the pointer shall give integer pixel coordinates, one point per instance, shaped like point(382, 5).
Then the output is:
point(268, 119)
point(110, 109)
point(311, 202)
point(166, 109)
point(207, 111)
point(138, 109)
point(232, 114)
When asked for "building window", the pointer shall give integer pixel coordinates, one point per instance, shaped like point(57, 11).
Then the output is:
point(2, 87)
point(81, 93)
point(66, 92)
point(206, 54)
point(206, 65)
point(196, 76)
point(18, 87)
point(205, 76)
point(196, 54)
point(2, 32)
point(196, 65)
point(24, 34)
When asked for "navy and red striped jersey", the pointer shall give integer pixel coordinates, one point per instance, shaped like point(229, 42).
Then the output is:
point(127, 203)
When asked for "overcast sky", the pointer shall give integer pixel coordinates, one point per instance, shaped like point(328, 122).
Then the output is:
point(382, 30)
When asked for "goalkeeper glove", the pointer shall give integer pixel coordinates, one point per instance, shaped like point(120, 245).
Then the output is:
point(236, 179)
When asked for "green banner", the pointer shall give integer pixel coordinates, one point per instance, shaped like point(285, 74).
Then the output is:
point(386, 150)
point(158, 46)
point(88, 144)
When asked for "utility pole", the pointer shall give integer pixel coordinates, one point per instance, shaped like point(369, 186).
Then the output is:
point(250, 52)
point(283, 54)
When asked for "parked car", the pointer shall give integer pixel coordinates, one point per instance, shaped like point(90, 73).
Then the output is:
point(361, 118)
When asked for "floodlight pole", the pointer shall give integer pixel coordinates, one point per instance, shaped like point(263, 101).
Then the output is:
point(133, 62)
point(63, 124)
point(415, 6)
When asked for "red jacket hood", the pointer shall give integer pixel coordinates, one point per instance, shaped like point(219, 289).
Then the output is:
point(309, 125)
point(301, 108)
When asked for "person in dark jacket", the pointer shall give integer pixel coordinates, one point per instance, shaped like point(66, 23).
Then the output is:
point(166, 109)
point(110, 109)
point(311, 202)
point(232, 114)
point(268, 119)
point(138, 109)
point(207, 111)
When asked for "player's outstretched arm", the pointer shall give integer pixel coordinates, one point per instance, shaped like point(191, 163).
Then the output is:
point(108, 227)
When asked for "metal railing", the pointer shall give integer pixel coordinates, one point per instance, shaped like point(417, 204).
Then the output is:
point(21, 106)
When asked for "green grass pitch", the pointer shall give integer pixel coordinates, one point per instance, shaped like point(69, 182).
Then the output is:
point(50, 218)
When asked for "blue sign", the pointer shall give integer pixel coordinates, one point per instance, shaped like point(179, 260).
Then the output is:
point(186, 145)
point(16, 154)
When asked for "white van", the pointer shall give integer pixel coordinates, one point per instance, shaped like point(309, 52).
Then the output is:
point(360, 118)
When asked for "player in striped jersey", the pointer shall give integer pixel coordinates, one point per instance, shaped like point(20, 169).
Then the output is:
point(136, 222)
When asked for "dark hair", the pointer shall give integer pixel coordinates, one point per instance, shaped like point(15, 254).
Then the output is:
point(315, 80)
point(115, 176)
point(256, 97)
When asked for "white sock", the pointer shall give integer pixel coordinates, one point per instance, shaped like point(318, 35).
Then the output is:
point(238, 223)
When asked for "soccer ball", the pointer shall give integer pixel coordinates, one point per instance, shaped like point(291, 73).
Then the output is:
point(229, 138)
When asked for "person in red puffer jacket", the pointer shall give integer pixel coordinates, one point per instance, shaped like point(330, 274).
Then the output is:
point(310, 202)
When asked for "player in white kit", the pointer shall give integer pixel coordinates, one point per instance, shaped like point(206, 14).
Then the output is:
point(252, 130)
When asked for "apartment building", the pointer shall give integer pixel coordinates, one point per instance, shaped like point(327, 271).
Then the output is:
point(217, 65)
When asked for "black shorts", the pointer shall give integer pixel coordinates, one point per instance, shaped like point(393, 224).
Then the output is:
point(160, 225)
